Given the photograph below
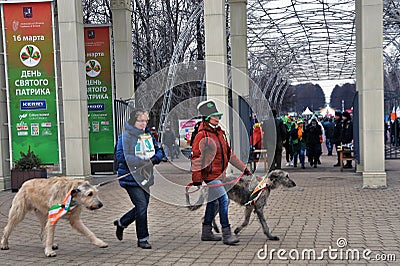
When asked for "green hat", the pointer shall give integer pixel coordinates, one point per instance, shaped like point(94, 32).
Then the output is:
point(208, 109)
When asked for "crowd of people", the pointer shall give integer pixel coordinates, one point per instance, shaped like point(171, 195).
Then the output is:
point(303, 137)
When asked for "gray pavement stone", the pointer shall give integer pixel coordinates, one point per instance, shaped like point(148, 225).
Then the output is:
point(326, 205)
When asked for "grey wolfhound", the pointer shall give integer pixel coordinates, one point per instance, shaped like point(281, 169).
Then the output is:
point(241, 191)
point(41, 194)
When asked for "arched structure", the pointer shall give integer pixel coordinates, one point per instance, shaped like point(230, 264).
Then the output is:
point(310, 51)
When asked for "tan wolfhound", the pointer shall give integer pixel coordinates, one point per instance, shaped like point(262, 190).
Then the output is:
point(39, 195)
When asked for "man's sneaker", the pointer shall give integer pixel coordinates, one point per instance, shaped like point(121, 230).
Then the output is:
point(287, 164)
point(336, 165)
point(347, 166)
point(291, 163)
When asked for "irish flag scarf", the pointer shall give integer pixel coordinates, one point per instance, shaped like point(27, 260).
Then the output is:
point(59, 210)
point(257, 193)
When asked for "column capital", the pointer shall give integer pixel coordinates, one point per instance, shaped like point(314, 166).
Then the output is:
point(120, 4)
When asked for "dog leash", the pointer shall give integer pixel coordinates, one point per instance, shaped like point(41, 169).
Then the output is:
point(112, 180)
point(212, 185)
point(122, 176)
point(201, 198)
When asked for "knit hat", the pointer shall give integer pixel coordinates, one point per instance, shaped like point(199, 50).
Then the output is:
point(208, 109)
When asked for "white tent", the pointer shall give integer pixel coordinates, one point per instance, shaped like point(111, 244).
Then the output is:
point(307, 112)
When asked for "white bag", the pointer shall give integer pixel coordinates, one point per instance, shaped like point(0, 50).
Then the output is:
point(145, 147)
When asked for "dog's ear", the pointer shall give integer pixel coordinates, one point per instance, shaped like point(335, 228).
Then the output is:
point(75, 191)
point(273, 175)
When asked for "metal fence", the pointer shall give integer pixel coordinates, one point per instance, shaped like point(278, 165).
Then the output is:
point(122, 109)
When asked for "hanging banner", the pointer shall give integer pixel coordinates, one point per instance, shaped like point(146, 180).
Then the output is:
point(99, 89)
point(31, 79)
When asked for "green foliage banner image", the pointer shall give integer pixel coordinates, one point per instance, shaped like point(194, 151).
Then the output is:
point(99, 89)
point(31, 80)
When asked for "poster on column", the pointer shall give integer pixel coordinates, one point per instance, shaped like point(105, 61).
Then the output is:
point(99, 89)
point(31, 82)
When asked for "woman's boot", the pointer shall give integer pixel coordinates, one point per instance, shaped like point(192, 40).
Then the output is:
point(227, 236)
point(207, 234)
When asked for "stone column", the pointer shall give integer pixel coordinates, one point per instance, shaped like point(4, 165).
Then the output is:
point(4, 138)
point(74, 95)
point(369, 38)
point(123, 53)
point(240, 81)
point(216, 56)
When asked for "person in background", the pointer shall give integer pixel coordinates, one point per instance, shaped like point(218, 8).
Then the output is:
point(298, 143)
point(137, 151)
point(347, 133)
point(154, 133)
point(337, 131)
point(313, 135)
point(280, 139)
point(329, 128)
point(256, 142)
point(211, 153)
point(287, 143)
point(168, 143)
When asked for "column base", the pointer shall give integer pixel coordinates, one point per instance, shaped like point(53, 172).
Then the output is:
point(374, 180)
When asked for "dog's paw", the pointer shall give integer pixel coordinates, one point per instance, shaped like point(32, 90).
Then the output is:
point(4, 244)
point(50, 253)
point(273, 238)
point(237, 231)
point(100, 243)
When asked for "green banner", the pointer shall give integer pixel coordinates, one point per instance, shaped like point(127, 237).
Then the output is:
point(99, 89)
point(31, 83)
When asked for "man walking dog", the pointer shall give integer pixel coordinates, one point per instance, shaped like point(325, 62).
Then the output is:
point(210, 156)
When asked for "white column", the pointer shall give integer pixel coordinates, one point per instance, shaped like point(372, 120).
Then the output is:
point(123, 53)
point(369, 38)
point(4, 143)
point(73, 77)
point(215, 49)
point(240, 81)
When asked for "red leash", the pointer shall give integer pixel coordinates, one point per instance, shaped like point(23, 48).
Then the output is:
point(212, 185)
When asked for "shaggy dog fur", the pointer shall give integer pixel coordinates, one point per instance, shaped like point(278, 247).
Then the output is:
point(39, 195)
point(241, 191)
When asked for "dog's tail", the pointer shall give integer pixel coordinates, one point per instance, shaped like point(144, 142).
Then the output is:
point(199, 202)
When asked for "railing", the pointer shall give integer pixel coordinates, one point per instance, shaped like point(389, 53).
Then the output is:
point(122, 109)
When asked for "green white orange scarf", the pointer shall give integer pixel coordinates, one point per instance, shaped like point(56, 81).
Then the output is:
point(257, 192)
point(59, 210)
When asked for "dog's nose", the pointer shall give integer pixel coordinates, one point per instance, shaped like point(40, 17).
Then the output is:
point(100, 205)
point(293, 183)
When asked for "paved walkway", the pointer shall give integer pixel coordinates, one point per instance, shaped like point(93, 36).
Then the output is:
point(326, 206)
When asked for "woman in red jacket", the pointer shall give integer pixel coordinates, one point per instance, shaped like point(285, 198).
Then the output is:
point(210, 156)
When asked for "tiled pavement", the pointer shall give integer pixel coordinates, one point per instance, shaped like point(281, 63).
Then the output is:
point(326, 205)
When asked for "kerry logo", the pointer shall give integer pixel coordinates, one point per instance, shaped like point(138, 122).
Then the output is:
point(30, 55)
point(93, 68)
